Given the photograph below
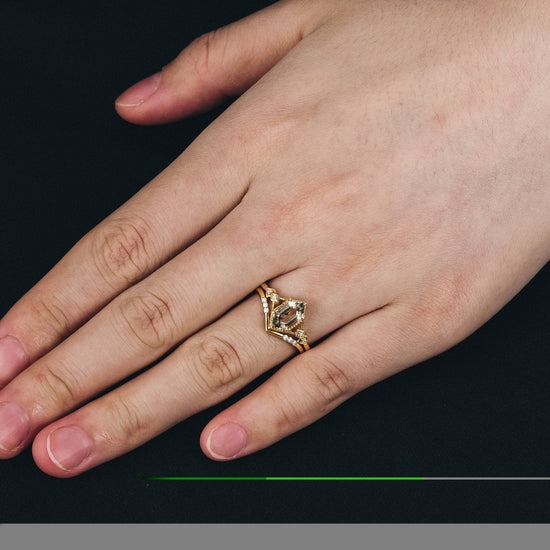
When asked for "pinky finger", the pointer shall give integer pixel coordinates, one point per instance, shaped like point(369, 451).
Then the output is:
point(362, 353)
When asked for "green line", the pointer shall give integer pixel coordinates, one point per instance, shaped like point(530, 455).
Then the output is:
point(283, 478)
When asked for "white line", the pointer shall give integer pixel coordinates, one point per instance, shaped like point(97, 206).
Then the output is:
point(487, 478)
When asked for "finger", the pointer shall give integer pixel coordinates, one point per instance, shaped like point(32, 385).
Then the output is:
point(220, 64)
point(358, 355)
point(165, 217)
point(136, 328)
point(207, 368)
point(145, 322)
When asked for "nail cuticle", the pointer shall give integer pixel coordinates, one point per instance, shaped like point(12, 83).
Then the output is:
point(139, 93)
point(68, 447)
point(231, 438)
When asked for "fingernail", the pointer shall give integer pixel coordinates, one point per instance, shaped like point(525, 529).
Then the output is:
point(14, 426)
point(68, 447)
point(138, 93)
point(226, 441)
point(13, 358)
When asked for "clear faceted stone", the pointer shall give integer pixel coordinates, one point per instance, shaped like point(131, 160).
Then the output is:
point(288, 314)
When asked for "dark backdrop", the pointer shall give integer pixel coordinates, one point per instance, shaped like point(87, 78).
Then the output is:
point(67, 160)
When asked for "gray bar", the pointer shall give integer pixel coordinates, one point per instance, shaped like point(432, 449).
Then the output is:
point(274, 537)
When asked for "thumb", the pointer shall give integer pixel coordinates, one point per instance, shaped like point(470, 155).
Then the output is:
point(221, 64)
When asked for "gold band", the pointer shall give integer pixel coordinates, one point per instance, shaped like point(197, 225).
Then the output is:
point(284, 317)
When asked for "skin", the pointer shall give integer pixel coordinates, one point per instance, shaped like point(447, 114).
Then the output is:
point(385, 161)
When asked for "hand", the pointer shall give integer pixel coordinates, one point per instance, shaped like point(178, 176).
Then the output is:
point(386, 163)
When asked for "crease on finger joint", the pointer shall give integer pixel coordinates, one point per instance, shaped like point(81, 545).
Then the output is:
point(332, 382)
point(122, 251)
point(218, 363)
point(57, 387)
point(149, 318)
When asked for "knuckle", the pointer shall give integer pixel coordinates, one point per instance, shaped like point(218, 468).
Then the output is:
point(288, 414)
point(57, 388)
point(149, 318)
point(208, 52)
point(218, 363)
point(127, 422)
point(51, 318)
point(444, 310)
point(330, 381)
point(121, 251)
point(453, 295)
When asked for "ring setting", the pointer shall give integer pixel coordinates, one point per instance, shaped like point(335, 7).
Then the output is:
point(284, 317)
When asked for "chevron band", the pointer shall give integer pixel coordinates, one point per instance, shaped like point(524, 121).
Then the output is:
point(284, 317)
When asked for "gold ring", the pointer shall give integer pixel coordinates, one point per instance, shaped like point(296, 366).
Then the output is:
point(284, 317)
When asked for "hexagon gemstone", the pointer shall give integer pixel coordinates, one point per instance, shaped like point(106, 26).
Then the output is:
point(289, 314)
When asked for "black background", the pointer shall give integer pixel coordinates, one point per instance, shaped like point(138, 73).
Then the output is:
point(67, 160)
